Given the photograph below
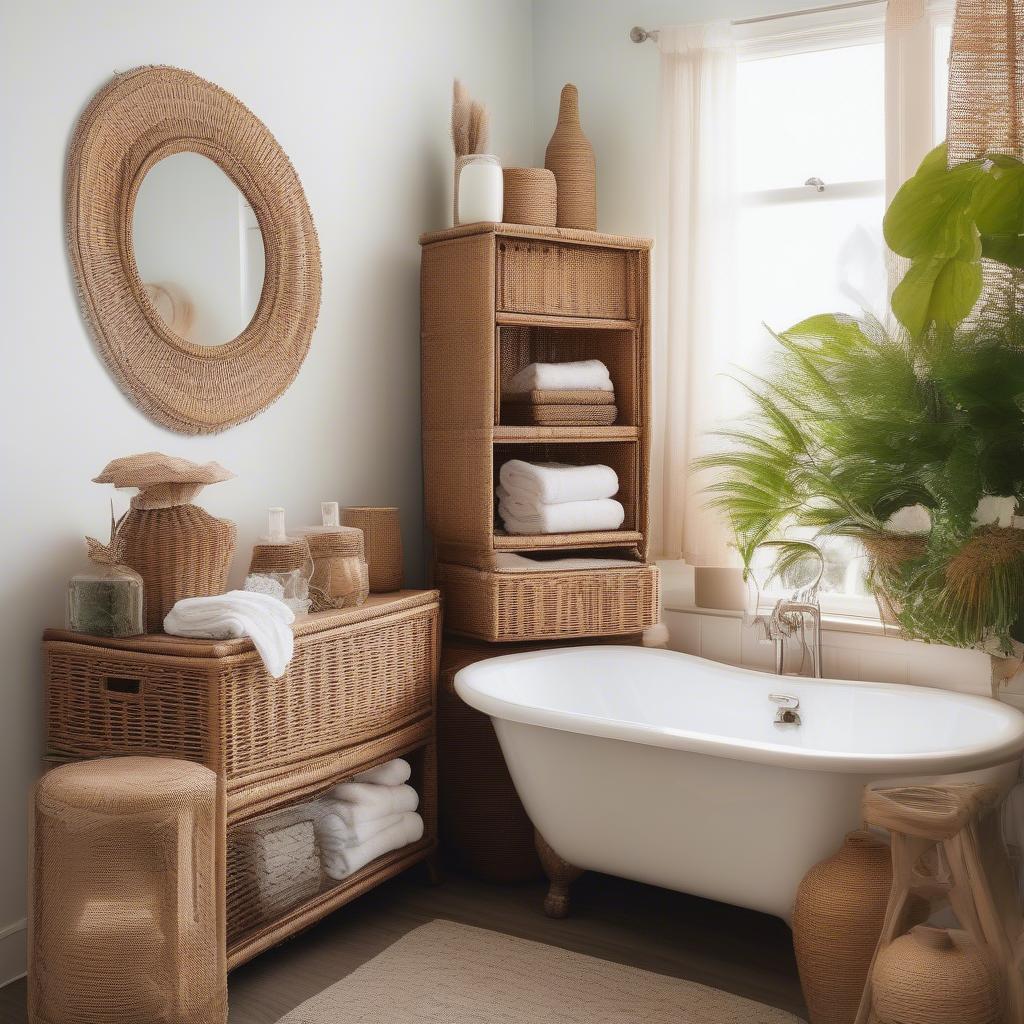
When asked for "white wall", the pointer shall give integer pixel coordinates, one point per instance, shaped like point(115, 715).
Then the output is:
point(358, 95)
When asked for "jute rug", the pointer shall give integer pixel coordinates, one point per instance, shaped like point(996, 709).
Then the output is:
point(447, 973)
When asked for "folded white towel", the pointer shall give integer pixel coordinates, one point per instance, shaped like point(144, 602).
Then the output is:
point(553, 482)
point(569, 517)
point(265, 620)
point(393, 773)
point(341, 861)
point(332, 829)
point(585, 375)
point(356, 802)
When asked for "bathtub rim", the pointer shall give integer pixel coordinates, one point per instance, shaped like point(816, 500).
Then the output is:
point(937, 762)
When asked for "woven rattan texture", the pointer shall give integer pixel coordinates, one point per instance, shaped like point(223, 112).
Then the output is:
point(138, 119)
point(382, 541)
point(560, 415)
point(127, 921)
point(281, 558)
point(559, 398)
point(529, 196)
point(571, 157)
point(557, 605)
point(346, 684)
point(181, 551)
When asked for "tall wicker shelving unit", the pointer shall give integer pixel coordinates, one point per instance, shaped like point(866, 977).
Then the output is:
point(495, 297)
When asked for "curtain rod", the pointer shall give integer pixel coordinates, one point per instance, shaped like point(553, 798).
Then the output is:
point(641, 35)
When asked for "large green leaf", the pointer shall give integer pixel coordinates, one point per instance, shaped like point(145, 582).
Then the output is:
point(998, 211)
point(939, 289)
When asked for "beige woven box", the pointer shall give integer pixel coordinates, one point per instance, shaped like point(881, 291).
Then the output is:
point(506, 607)
point(357, 674)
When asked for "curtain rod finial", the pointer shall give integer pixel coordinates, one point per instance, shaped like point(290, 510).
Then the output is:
point(641, 35)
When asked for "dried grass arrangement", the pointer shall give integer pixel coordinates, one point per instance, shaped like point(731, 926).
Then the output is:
point(471, 123)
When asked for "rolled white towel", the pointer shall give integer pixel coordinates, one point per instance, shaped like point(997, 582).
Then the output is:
point(585, 375)
point(568, 517)
point(357, 802)
point(552, 483)
point(393, 773)
point(264, 619)
point(333, 830)
point(340, 862)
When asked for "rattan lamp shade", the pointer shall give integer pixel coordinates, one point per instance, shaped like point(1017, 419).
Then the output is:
point(382, 540)
point(127, 916)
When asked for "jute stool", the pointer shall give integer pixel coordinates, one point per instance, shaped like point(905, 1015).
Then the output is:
point(127, 911)
point(946, 841)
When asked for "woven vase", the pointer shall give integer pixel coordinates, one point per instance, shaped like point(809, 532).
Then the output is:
point(571, 158)
point(925, 977)
point(837, 921)
point(181, 551)
point(530, 196)
point(382, 542)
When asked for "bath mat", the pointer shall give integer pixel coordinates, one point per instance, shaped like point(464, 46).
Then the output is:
point(447, 973)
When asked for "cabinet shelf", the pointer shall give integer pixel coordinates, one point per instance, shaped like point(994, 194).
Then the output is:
point(566, 435)
point(558, 541)
point(586, 323)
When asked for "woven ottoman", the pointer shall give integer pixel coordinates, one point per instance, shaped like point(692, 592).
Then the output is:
point(127, 921)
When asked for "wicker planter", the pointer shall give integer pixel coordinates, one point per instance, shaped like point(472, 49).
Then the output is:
point(529, 196)
point(837, 920)
point(382, 542)
point(509, 607)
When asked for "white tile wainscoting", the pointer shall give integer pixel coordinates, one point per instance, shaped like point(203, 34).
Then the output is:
point(851, 648)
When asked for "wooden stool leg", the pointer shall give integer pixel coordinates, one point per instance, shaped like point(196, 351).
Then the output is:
point(561, 874)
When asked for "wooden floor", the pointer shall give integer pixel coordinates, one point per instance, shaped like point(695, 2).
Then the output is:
point(736, 950)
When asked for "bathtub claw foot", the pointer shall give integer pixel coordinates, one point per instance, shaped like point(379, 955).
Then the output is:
point(561, 874)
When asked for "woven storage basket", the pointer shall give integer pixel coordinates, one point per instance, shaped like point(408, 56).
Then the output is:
point(340, 576)
point(127, 923)
point(837, 920)
point(382, 540)
point(484, 828)
point(279, 558)
point(571, 157)
point(276, 888)
point(931, 977)
point(559, 397)
point(530, 196)
point(356, 674)
point(509, 607)
point(560, 415)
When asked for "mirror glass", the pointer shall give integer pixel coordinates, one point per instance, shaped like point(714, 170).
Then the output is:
point(198, 249)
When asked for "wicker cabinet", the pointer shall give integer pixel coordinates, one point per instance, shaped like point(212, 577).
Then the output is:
point(360, 690)
point(496, 297)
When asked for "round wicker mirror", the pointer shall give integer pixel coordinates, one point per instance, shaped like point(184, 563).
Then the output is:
point(140, 118)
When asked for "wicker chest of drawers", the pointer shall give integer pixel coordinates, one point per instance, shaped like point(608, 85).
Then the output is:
point(360, 690)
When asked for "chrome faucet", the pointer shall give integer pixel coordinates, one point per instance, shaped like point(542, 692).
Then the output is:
point(788, 617)
point(788, 704)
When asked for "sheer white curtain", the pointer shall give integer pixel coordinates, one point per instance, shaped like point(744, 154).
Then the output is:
point(695, 261)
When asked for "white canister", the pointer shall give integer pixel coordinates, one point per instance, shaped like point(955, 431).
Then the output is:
point(479, 189)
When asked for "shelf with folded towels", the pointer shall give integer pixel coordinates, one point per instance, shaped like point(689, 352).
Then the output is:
point(562, 541)
point(506, 434)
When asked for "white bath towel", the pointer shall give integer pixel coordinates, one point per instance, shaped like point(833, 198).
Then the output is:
point(552, 483)
point(332, 829)
point(341, 861)
point(393, 773)
point(265, 620)
point(585, 375)
point(357, 802)
point(568, 517)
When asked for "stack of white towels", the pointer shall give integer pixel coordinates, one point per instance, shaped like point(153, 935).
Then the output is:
point(549, 497)
point(363, 819)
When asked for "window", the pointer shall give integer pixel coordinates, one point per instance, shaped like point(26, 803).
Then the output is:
point(811, 166)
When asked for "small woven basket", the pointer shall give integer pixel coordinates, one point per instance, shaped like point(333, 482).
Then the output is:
point(279, 558)
point(340, 578)
point(382, 539)
point(530, 196)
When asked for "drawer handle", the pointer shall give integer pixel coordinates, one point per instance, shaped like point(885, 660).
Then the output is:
point(123, 686)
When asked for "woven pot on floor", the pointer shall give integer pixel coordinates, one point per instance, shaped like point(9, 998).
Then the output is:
point(382, 542)
point(128, 922)
point(837, 919)
point(177, 548)
point(571, 159)
point(930, 977)
point(530, 196)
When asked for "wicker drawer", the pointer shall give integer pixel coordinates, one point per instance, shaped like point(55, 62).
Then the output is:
point(356, 675)
point(275, 880)
point(561, 279)
point(508, 607)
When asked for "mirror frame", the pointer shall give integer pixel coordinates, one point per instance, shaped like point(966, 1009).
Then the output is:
point(139, 118)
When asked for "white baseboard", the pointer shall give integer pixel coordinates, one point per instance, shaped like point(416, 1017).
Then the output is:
point(13, 952)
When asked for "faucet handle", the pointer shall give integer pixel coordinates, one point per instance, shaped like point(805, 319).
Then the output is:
point(784, 700)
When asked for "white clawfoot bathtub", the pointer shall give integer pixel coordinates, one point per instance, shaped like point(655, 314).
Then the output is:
point(669, 769)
